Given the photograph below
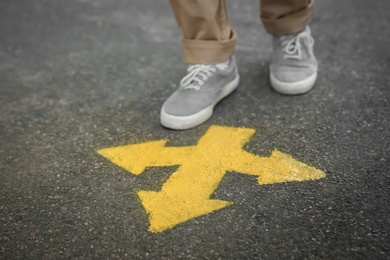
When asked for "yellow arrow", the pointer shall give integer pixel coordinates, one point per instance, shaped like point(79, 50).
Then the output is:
point(187, 192)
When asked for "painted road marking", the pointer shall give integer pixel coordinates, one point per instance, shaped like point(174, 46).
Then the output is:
point(186, 194)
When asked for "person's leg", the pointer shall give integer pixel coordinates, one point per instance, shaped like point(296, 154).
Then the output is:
point(208, 44)
point(293, 69)
point(207, 36)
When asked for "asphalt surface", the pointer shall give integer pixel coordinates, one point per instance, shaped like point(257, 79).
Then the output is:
point(82, 75)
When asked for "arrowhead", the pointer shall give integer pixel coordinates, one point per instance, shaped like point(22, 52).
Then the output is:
point(168, 210)
point(135, 157)
point(281, 167)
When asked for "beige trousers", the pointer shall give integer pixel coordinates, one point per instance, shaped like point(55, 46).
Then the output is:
point(208, 37)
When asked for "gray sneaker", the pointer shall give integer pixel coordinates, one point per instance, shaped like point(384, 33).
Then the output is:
point(293, 69)
point(199, 91)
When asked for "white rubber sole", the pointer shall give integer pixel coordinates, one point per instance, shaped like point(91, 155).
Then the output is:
point(187, 122)
point(293, 88)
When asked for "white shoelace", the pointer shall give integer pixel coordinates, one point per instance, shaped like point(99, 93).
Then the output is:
point(197, 74)
point(293, 47)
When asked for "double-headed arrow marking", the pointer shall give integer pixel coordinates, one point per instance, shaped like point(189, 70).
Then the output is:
point(186, 194)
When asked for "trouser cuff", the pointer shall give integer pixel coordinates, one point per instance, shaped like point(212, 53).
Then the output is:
point(208, 52)
point(291, 23)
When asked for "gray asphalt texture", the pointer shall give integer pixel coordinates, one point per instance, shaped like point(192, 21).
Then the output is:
point(81, 75)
